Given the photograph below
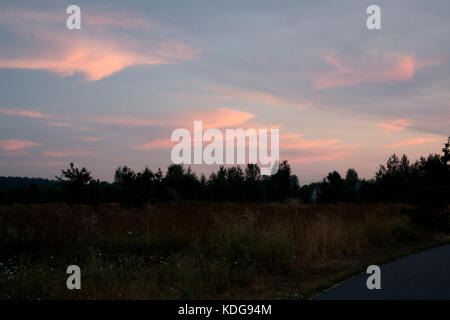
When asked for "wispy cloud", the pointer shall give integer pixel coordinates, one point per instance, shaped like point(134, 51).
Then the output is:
point(394, 125)
point(322, 157)
point(66, 153)
point(97, 54)
point(373, 68)
point(347, 146)
point(258, 96)
point(288, 141)
point(14, 144)
point(303, 143)
point(97, 58)
point(245, 96)
point(59, 124)
point(410, 142)
point(90, 139)
point(156, 144)
point(211, 118)
point(27, 113)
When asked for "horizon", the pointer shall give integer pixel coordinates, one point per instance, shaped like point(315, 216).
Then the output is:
point(214, 169)
point(111, 93)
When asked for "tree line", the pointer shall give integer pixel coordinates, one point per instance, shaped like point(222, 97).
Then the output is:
point(424, 183)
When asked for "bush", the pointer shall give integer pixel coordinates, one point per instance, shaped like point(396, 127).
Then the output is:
point(429, 218)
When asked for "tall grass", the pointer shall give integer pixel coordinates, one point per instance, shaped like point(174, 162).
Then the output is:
point(184, 250)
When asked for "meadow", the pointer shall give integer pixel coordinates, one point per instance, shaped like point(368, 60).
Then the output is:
point(192, 250)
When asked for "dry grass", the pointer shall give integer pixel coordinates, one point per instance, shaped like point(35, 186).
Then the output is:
point(194, 250)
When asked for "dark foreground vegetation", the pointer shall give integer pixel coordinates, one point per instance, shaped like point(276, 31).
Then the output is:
point(233, 235)
point(171, 251)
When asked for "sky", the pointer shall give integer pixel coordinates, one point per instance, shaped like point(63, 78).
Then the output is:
point(112, 93)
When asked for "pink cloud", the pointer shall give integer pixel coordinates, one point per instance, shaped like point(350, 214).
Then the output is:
point(410, 142)
point(332, 60)
point(346, 146)
point(212, 118)
point(27, 113)
point(303, 144)
point(222, 118)
point(59, 124)
point(65, 154)
point(90, 139)
point(296, 141)
point(14, 144)
point(167, 143)
point(373, 69)
point(96, 54)
point(290, 135)
point(325, 156)
point(156, 144)
point(394, 125)
point(95, 59)
point(243, 95)
point(259, 96)
point(288, 141)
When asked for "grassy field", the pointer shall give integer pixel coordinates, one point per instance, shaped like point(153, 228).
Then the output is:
point(210, 251)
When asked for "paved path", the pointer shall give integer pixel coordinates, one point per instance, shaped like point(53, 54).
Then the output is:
point(421, 276)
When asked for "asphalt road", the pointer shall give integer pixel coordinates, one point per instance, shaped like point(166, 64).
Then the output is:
point(421, 276)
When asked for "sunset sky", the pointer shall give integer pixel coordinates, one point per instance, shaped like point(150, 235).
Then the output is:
point(112, 93)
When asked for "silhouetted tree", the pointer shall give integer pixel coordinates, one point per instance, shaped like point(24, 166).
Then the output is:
point(219, 188)
point(283, 184)
point(351, 185)
point(137, 188)
point(393, 179)
point(253, 189)
point(332, 188)
point(351, 177)
point(75, 182)
point(446, 151)
point(125, 178)
point(235, 181)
